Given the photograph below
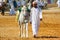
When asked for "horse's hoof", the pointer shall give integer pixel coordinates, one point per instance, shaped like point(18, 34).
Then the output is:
point(26, 36)
point(21, 36)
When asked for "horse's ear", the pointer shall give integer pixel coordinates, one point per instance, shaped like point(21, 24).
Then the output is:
point(28, 10)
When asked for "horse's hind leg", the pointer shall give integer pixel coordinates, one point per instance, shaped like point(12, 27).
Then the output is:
point(21, 29)
point(21, 32)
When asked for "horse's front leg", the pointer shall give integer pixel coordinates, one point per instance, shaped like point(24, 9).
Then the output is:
point(26, 29)
point(20, 27)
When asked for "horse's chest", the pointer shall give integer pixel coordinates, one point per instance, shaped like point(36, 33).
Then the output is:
point(24, 17)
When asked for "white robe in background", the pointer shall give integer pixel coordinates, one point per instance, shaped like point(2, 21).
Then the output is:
point(12, 10)
point(18, 3)
point(23, 2)
point(35, 17)
point(10, 2)
point(58, 2)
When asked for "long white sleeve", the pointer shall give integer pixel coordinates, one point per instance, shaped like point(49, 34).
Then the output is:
point(30, 17)
point(40, 14)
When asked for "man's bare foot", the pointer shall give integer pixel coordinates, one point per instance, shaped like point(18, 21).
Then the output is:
point(40, 19)
point(30, 22)
point(35, 36)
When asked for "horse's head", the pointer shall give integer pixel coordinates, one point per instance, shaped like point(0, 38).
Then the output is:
point(24, 15)
point(24, 10)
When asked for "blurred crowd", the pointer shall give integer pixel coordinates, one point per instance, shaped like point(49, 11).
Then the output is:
point(13, 5)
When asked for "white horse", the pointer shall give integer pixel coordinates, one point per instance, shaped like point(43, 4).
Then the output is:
point(58, 2)
point(23, 21)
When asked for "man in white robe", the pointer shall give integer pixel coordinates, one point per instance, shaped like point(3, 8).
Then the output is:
point(38, 5)
point(35, 17)
point(2, 6)
point(58, 2)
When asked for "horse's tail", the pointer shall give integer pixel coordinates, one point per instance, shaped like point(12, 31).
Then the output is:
point(17, 15)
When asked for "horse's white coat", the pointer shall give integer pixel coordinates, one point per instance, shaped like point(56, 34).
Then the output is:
point(58, 2)
point(23, 26)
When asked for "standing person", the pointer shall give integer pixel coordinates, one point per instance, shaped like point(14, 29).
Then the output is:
point(35, 17)
point(10, 2)
point(45, 4)
point(31, 2)
point(15, 4)
point(58, 2)
point(12, 10)
point(39, 4)
point(18, 3)
point(2, 6)
point(23, 2)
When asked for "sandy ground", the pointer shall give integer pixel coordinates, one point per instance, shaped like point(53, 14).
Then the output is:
point(49, 27)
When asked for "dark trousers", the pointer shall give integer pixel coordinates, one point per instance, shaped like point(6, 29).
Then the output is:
point(2, 11)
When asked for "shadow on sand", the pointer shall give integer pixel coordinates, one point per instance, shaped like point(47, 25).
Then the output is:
point(47, 37)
